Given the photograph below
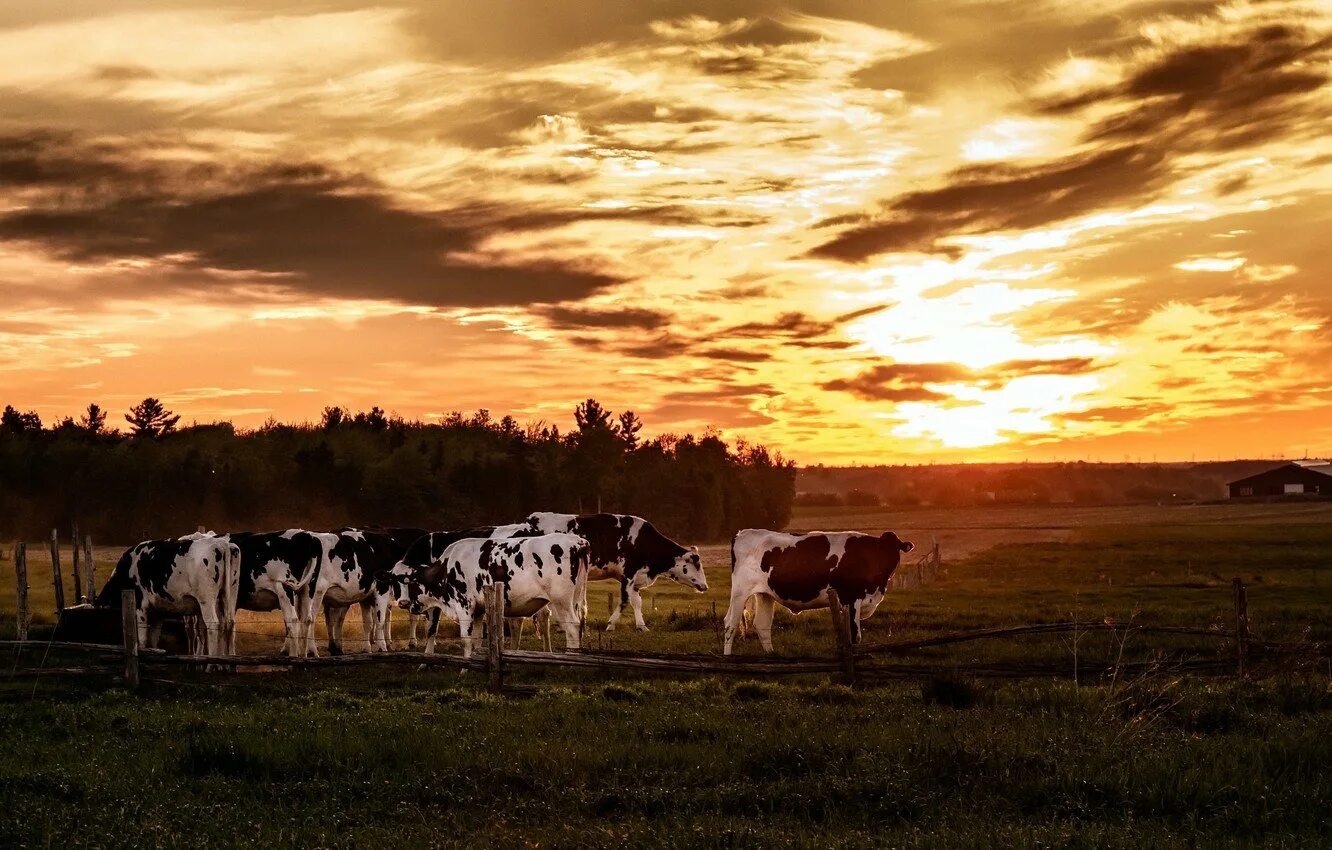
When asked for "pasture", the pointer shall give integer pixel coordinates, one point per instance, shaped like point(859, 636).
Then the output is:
point(323, 757)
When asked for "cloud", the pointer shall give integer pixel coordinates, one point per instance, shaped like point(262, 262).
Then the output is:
point(917, 382)
point(1000, 197)
point(1208, 89)
point(303, 225)
point(563, 317)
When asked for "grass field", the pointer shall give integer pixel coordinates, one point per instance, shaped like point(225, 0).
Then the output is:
point(325, 758)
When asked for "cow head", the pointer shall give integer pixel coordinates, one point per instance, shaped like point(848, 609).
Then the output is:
point(688, 570)
point(394, 584)
point(891, 539)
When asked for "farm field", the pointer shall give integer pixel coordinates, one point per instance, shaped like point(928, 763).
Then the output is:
point(418, 758)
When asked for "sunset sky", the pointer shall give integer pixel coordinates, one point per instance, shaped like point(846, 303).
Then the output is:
point(872, 232)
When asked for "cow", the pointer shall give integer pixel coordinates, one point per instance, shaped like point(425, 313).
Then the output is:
point(190, 576)
point(390, 586)
point(389, 545)
point(546, 571)
point(797, 570)
point(276, 571)
point(346, 578)
point(630, 550)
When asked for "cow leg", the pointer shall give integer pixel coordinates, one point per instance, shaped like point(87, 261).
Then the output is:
point(411, 630)
point(516, 629)
point(153, 636)
point(624, 601)
point(382, 609)
point(734, 614)
point(636, 600)
point(568, 618)
point(465, 630)
point(385, 624)
point(368, 629)
point(855, 622)
point(291, 623)
point(432, 627)
point(209, 627)
point(334, 615)
point(543, 627)
point(309, 634)
point(764, 606)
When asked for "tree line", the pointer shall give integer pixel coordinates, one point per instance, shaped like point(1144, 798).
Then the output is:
point(370, 468)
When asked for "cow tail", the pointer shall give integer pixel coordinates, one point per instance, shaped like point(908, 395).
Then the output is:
point(310, 574)
point(581, 554)
point(233, 593)
point(747, 612)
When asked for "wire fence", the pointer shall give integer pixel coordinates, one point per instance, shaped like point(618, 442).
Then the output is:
point(1237, 653)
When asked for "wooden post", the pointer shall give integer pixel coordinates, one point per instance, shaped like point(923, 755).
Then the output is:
point(90, 566)
point(21, 576)
point(610, 605)
point(77, 562)
point(1241, 625)
point(841, 618)
point(495, 636)
point(56, 578)
point(129, 624)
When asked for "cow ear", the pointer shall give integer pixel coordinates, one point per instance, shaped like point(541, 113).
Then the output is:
point(906, 545)
point(693, 549)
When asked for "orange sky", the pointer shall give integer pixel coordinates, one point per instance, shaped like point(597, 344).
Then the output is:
point(873, 232)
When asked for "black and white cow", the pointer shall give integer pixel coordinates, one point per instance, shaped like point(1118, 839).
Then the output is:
point(631, 551)
point(358, 561)
point(192, 576)
point(547, 571)
point(276, 570)
point(346, 578)
point(391, 587)
point(797, 570)
point(389, 545)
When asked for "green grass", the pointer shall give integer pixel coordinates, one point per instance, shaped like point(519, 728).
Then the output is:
point(424, 760)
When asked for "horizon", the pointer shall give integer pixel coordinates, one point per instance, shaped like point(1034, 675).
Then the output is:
point(934, 233)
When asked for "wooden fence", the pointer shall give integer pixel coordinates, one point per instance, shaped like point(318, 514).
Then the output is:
point(850, 663)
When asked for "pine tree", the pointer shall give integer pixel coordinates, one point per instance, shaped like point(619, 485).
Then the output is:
point(630, 425)
point(94, 421)
point(149, 418)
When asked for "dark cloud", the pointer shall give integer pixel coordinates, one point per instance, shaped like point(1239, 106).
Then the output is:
point(735, 355)
point(800, 330)
point(898, 382)
point(1001, 196)
point(562, 317)
point(1195, 98)
point(318, 232)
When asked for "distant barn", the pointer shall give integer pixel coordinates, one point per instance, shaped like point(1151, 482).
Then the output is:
point(1298, 478)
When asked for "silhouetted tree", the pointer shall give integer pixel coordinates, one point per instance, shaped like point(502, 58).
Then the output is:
point(150, 418)
point(17, 423)
point(597, 450)
point(94, 420)
point(334, 417)
point(630, 425)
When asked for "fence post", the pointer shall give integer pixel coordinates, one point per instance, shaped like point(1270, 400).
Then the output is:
point(91, 566)
point(610, 605)
point(495, 636)
point(129, 624)
point(1241, 625)
point(78, 565)
point(56, 577)
point(21, 577)
point(841, 617)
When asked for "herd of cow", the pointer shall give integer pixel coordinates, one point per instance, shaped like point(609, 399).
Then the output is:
point(545, 563)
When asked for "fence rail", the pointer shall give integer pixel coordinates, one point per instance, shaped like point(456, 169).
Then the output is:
point(853, 664)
